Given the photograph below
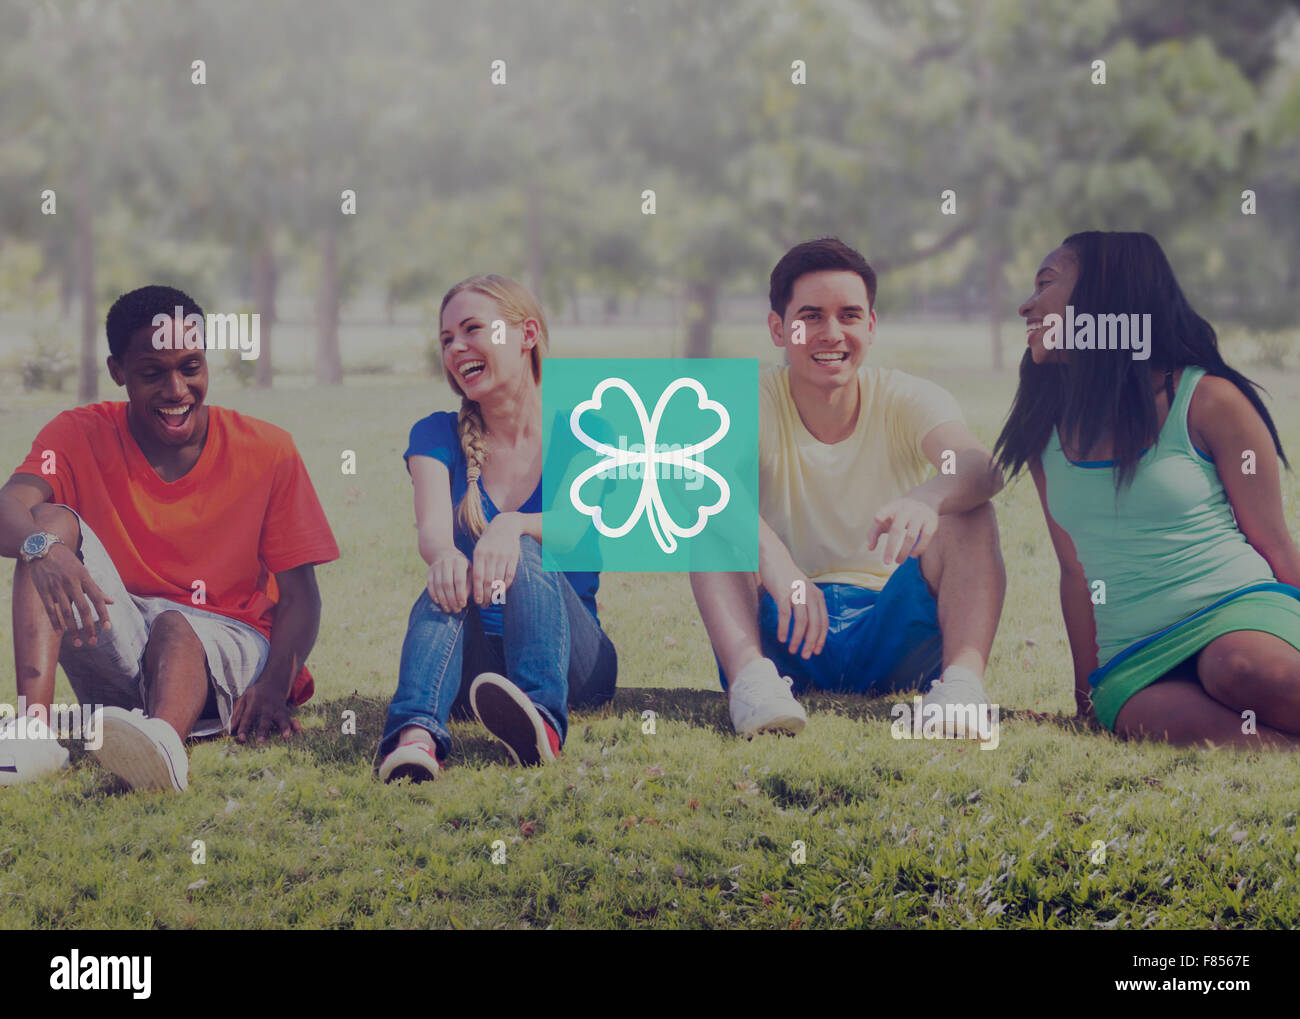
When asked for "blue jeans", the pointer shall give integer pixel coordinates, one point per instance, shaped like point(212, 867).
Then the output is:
point(553, 649)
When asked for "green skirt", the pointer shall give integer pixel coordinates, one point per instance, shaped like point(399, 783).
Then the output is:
point(1274, 610)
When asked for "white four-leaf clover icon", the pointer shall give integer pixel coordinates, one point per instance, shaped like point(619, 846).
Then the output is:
point(665, 529)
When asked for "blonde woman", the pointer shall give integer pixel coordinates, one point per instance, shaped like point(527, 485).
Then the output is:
point(526, 643)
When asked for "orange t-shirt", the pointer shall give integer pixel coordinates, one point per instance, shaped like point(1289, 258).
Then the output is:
point(244, 512)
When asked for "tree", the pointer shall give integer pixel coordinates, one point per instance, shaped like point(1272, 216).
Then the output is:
point(74, 136)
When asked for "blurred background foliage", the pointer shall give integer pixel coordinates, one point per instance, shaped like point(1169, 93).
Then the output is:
point(231, 188)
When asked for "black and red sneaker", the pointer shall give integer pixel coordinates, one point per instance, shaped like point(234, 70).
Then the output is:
point(508, 714)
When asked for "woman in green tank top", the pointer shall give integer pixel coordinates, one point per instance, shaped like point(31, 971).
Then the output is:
point(1158, 469)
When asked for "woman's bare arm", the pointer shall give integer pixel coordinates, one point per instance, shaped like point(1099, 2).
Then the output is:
point(1223, 419)
point(1076, 601)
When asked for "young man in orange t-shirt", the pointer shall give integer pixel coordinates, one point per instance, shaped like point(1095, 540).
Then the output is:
point(166, 560)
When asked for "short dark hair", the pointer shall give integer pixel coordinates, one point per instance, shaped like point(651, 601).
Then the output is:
point(134, 311)
point(825, 253)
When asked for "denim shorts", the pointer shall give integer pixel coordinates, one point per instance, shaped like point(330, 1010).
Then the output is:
point(877, 641)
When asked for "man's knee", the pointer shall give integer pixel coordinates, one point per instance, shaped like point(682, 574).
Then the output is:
point(968, 538)
point(171, 631)
point(58, 520)
point(977, 522)
point(969, 533)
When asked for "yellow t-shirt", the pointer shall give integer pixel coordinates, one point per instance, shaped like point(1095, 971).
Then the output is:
point(821, 500)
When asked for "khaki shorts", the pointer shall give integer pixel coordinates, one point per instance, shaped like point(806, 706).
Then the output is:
point(111, 671)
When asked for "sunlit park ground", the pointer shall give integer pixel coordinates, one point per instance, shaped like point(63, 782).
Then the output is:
point(685, 827)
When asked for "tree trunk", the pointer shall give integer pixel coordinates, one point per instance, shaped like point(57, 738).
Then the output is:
point(701, 309)
point(329, 365)
point(995, 287)
point(88, 384)
point(67, 285)
point(991, 204)
point(536, 258)
point(264, 298)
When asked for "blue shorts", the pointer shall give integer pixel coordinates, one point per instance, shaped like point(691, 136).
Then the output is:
point(877, 642)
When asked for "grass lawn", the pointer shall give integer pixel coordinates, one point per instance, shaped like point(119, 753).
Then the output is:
point(684, 827)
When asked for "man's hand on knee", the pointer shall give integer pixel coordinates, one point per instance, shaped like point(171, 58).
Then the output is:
point(800, 605)
point(62, 582)
point(905, 526)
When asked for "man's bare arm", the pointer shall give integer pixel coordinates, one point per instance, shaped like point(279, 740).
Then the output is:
point(263, 706)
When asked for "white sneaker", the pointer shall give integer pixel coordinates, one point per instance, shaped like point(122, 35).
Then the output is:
point(28, 751)
point(761, 701)
point(145, 753)
point(961, 690)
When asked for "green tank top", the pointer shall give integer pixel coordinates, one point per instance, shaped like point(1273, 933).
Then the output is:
point(1166, 547)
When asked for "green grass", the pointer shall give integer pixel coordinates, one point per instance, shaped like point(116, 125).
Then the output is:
point(686, 827)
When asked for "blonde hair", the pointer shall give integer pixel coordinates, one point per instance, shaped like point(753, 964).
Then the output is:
point(515, 303)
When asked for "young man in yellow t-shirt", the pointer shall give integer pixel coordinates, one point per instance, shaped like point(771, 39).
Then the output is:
point(871, 579)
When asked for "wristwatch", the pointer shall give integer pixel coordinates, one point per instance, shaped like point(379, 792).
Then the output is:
point(35, 546)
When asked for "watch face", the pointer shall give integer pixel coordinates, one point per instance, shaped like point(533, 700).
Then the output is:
point(35, 544)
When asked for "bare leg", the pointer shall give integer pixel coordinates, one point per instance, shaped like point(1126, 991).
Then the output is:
point(1254, 671)
point(36, 641)
point(176, 672)
point(1178, 710)
point(728, 604)
point(963, 569)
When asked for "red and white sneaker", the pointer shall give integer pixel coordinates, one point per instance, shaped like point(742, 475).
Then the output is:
point(508, 714)
point(414, 759)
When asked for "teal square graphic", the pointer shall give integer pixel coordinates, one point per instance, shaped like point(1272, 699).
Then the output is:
point(611, 502)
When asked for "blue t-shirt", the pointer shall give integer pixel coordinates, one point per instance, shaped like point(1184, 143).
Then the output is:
point(437, 436)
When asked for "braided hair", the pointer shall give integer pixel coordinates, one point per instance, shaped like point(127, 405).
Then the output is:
point(515, 304)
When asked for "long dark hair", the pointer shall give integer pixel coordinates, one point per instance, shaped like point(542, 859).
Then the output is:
point(1109, 394)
